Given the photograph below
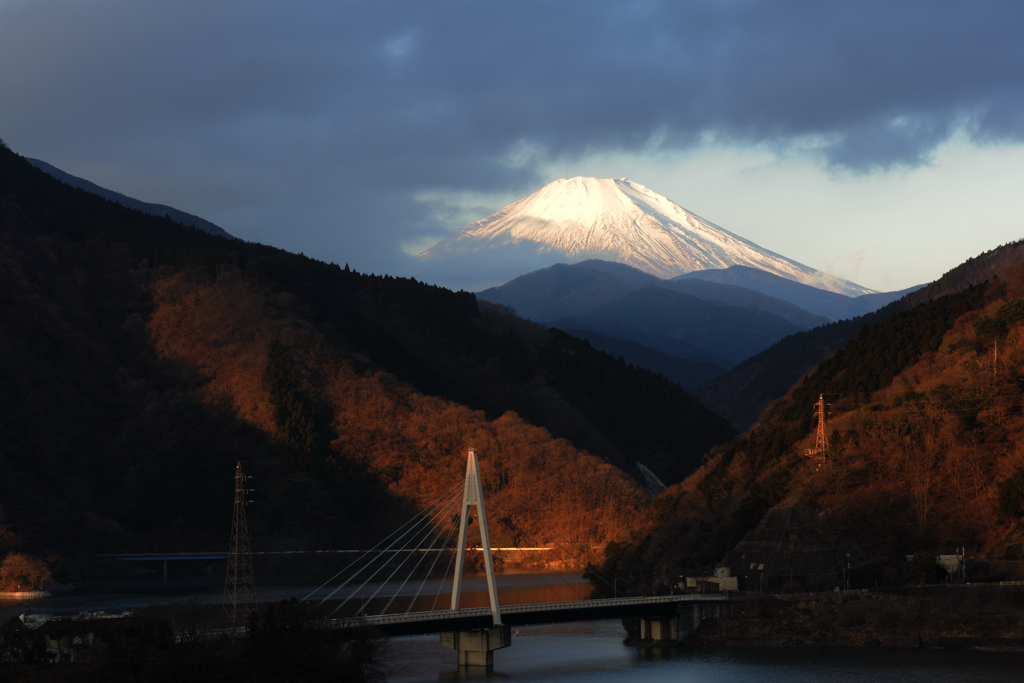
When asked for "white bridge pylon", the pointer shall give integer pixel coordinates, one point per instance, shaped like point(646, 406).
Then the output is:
point(474, 495)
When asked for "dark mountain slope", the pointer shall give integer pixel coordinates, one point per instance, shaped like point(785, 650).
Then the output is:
point(729, 331)
point(565, 290)
point(688, 373)
point(743, 392)
point(573, 294)
point(135, 349)
point(829, 304)
point(743, 297)
point(175, 215)
point(921, 445)
point(568, 290)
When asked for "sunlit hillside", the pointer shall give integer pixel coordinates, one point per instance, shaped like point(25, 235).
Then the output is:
point(923, 425)
point(262, 356)
point(142, 359)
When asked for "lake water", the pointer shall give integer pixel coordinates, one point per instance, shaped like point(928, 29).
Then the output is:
point(134, 593)
point(593, 651)
point(574, 653)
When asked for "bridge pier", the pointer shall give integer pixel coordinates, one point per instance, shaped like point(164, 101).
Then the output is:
point(476, 648)
point(677, 627)
point(658, 628)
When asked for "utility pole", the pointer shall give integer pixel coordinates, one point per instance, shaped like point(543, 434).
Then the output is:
point(239, 586)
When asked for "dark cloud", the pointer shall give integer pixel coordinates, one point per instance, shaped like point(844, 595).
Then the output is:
point(312, 126)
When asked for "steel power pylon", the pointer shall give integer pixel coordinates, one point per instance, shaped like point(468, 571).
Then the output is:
point(239, 586)
point(820, 444)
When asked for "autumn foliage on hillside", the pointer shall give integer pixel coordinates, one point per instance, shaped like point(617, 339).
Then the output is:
point(327, 410)
point(924, 425)
point(142, 359)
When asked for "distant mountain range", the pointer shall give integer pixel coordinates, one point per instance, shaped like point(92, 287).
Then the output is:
point(742, 393)
point(917, 395)
point(141, 360)
point(825, 303)
point(175, 215)
point(621, 221)
point(684, 325)
point(690, 329)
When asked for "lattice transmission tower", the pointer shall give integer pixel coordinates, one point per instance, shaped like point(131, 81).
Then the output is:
point(239, 586)
point(820, 443)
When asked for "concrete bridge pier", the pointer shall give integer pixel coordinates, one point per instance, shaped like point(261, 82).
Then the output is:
point(476, 648)
point(659, 628)
point(677, 627)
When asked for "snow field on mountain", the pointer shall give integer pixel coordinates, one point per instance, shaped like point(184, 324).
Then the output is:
point(620, 220)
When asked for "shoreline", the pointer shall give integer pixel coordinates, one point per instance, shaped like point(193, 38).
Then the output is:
point(24, 594)
point(986, 617)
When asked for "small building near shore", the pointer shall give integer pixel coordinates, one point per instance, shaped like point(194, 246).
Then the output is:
point(70, 638)
point(722, 581)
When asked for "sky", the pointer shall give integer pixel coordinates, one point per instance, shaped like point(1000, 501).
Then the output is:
point(882, 142)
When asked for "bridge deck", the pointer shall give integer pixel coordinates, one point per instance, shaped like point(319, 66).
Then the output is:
point(440, 621)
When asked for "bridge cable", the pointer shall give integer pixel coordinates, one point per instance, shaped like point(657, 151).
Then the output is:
point(379, 555)
point(432, 531)
point(596, 568)
point(451, 530)
point(359, 559)
point(438, 530)
point(437, 596)
point(362, 555)
point(416, 543)
point(454, 493)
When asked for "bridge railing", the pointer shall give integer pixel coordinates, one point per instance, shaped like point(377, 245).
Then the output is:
point(528, 608)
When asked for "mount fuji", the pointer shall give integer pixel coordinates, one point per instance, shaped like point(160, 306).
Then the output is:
point(622, 221)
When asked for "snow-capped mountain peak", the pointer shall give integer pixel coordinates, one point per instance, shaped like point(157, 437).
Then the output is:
point(616, 219)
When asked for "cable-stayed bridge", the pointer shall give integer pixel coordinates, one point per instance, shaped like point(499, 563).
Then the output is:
point(412, 553)
point(651, 608)
point(401, 586)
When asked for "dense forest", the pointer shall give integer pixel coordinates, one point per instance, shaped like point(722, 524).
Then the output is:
point(742, 393)
point(923, 425)
point(141, 359)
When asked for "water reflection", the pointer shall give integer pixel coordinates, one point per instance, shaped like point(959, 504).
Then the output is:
point(594, 652)
point(565, 653)
point(138, 592)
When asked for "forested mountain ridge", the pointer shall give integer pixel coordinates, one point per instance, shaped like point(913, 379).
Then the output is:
point(688, 329)
point(925, 414)
point(142, 358)
point(832, 305)
point(743, 392)
point(176, 215)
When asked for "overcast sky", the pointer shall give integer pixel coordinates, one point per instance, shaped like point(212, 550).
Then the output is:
point(880, 141)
